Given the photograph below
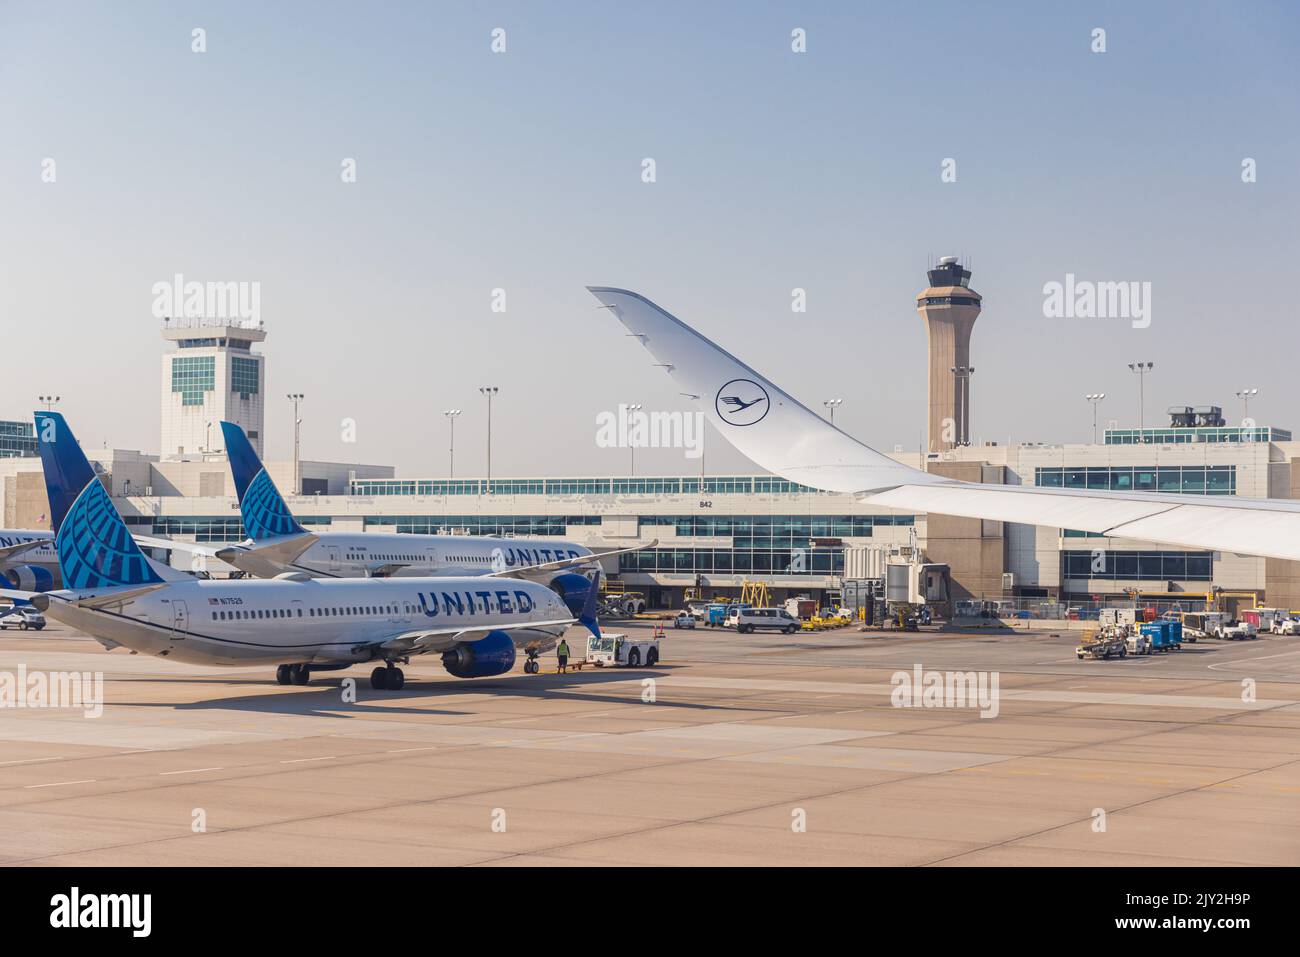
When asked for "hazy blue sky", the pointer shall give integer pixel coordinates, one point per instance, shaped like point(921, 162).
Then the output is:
point(523, 171)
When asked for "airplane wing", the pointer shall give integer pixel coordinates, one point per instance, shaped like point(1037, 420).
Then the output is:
point(9, 552)
point(149, 541)
point(426, 640)
point(564, 563)
point(785, 437)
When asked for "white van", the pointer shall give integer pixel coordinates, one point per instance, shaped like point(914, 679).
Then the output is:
point(769, 619)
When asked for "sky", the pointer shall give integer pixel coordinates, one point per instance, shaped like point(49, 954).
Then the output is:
point(523, 171)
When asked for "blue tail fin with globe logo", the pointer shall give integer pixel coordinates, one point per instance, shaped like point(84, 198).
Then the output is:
point(94, 546)
point(261, 506)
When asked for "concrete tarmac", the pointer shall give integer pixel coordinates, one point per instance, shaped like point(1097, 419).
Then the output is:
point(753, 750)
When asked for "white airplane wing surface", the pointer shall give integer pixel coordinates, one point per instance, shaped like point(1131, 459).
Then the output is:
point(9, 552)
point(428, 640)
point(785, 437)
point(563, 563)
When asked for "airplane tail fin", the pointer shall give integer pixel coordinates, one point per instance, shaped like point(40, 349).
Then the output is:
point(94, 546)
point(262, 507)
point(588, 615)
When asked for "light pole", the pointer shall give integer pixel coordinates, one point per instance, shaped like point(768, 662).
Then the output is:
point(831, 404)
point(489, 391)
point(1140, 369)
point(295, 398)
point(1094, 398)
point(451, 449)
point(631, 442)
point(50, 401)
point(963, 374)
point(1245, 395)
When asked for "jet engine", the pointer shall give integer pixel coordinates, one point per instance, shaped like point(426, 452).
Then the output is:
point(485, 658)
point(29, 578)
point(573, 588)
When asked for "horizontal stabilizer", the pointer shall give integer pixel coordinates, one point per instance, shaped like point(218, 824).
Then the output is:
point(115, 597)
point(284, 551)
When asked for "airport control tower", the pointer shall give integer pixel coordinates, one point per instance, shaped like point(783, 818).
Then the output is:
point(949, 308)
point(211, 374)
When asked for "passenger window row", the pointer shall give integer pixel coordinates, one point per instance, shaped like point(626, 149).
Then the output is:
point(349, 611)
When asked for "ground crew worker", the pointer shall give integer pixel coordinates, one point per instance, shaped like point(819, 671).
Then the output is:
point(562, 653)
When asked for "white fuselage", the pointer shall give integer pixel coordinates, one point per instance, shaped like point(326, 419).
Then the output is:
point(345, 555)
point(42, 556)
point(319, 621)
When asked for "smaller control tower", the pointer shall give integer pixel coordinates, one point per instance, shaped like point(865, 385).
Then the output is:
point(211, 374)
point(949, 308)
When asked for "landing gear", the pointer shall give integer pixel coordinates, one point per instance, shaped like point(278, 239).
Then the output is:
point(532, 666)
point(292, 674)
point(388, 678)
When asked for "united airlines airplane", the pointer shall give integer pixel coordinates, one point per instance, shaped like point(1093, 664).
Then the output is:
point(277, 543)
point(783, 436)
point(113, 592)
point(27, 559)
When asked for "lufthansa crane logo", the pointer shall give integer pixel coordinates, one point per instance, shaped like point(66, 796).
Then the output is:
point(742, 402)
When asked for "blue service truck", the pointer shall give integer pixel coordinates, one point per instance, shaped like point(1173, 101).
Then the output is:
point(1163, 635)
point(715, 616)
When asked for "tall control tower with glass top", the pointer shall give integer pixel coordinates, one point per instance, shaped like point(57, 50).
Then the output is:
point(949, 308)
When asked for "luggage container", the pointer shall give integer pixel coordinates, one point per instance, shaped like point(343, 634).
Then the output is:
point(1164, 635)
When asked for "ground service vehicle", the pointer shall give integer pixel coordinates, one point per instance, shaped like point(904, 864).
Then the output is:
point(715, 616)
point(1138, 644)
point(733, 614)
point(1103, 645)
point(1163, 635)
point(801, 607)
point(1202, 624)
point(1117, 616)
point(766, 619)
point(620, 651)
point(1236, 631)
point(22, 617)
point(684, 620)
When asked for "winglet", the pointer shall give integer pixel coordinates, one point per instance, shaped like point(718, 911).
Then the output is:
point(764, 423)
point(588, 616)
point(263, 509)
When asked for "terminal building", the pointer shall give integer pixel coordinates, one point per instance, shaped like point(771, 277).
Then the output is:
point(714, 534)
point(17, 439)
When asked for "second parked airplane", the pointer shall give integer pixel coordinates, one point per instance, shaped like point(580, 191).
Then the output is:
point(277, 543)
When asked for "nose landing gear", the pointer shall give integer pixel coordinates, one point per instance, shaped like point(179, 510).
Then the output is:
point(532, 666)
